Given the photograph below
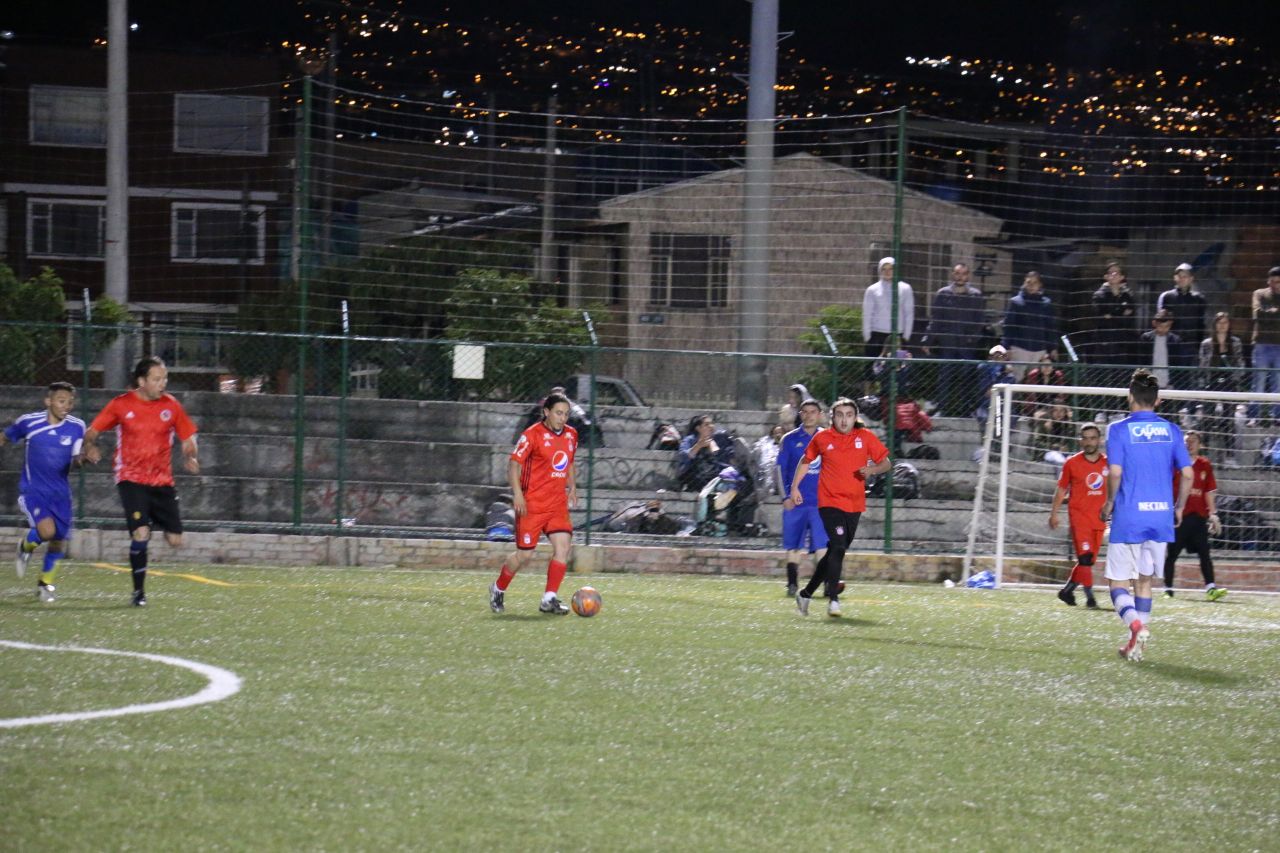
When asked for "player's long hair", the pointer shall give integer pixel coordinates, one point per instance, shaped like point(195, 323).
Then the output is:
point(143, 367)
point(857, 413)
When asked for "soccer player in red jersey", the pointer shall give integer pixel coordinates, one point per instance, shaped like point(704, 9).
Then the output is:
point(850, 453)
point(1083, 484)
point(145, 420)
point(541, 476)
point(1199, 521)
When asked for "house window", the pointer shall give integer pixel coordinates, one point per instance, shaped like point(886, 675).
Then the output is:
point(220, 124)
point(65, 229)
point(68, 115)
point(218, 234)
point(689, 270)
point(190, 342)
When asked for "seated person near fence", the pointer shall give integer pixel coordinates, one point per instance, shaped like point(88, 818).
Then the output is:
point(910, 424)
point(704, 452)
point(1054, 431)
point(1040, 407)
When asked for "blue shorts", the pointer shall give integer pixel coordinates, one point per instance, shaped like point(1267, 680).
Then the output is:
point(37, 507)
point(796, 522)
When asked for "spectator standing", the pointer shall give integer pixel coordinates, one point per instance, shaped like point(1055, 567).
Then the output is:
point(1030, 328)
point(1114, 314)
point(1162, 349)
point(877, 312)
point(1187, 305)
point(956, 317)
point(1218, 353)
point(1266, 343)
point(1199, 521)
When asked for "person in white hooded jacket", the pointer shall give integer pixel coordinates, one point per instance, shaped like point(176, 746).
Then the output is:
point(877, 311)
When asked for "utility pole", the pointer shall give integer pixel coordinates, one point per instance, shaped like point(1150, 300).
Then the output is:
point(546, 260)
point(757, 192)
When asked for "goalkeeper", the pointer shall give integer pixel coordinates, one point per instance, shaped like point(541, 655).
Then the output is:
point(1198, 522)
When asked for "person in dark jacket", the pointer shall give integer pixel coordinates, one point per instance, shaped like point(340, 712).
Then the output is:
point(1030, 327)
point(1188, 307)
point(1163, 349)
point(956, 317)
point(1114, 313)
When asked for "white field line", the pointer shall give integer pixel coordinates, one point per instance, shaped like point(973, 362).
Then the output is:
point(222, 683)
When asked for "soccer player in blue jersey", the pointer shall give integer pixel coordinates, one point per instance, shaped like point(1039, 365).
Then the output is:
point(802, 521)
point(1143, 452)
point(53, 438)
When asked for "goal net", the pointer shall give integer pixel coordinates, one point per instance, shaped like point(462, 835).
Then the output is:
point(1032, 429)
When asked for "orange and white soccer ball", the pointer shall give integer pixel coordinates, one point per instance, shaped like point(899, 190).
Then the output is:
point(586, 602)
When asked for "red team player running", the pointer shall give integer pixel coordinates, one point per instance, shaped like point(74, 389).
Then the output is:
point(850, 453)
point(541, 476)
point(1084, 478)
point(145, 420)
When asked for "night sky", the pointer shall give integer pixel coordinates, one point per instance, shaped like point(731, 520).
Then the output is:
point(842, 35)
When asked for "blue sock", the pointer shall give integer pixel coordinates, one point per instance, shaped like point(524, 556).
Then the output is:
point(1143, 606)
point(1123, 601)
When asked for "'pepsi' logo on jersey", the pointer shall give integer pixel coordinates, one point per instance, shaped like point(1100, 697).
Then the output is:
point(1150, 432)
point(559, 460)
point(1093, 480)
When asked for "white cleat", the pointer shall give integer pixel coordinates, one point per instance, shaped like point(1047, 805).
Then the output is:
point(833, 608)
point(20, 562)
point(45, 593)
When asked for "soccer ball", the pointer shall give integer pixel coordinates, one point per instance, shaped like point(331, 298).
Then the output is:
point(586, 602)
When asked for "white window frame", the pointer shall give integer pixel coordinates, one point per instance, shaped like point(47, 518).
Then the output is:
point(38, 91)
point(258, 209)
point(32, 251)
point(263, 143)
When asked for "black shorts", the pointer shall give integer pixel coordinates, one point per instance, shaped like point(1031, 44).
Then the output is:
point(150, 506)
point(1193, 534)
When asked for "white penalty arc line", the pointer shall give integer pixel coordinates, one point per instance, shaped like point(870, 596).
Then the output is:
point(222, 683)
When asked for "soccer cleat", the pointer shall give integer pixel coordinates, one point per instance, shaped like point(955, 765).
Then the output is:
point(139, 599)
point(1091, 603)
point(1138, 637)
point(1067, 598)
point(802, 603)
point(45, 593)
point(792, 589)
point(553, 605)
point(1217, 593)
point(1168, 591)
point(833, 608)
point(496, 597)
point(24, 557)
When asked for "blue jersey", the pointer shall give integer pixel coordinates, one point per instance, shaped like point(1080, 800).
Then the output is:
point(49, 452)
point(790, 453)
point(1150, 450)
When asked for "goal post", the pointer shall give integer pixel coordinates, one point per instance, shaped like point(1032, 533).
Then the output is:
point(1032, 429)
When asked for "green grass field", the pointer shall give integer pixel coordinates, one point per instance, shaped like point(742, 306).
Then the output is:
point(392, 710)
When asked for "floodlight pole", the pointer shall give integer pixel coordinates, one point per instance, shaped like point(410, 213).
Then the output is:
point(757, 181)
point(116, 238)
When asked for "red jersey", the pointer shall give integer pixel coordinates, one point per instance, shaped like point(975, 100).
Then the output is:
point(1086, 486)
point(1202, 482)
point(842, 456)
point(546, 461)
point(144, 436)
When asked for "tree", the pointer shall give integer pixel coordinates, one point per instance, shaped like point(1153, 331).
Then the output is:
point(845, 325)
point(33, 312)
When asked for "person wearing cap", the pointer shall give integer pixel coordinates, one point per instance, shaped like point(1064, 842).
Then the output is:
point(994, 371)
point(1266, 343)
point(877, 313)
point(956, 317)
point(1187, 305)
point(1162, 348)
point(1030, 327)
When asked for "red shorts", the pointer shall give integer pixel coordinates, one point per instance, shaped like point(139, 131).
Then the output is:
point(1087, 539)
point(531, 525)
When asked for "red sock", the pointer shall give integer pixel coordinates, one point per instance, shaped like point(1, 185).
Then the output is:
point(1084, 576)
point(555, 574)
point(504, 578)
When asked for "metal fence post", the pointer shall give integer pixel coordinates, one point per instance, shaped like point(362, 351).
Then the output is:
point(342, 413)
point(86, 358)
point(302, 204)
point(591, 416)
point(891, 405)
point(835, 362)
